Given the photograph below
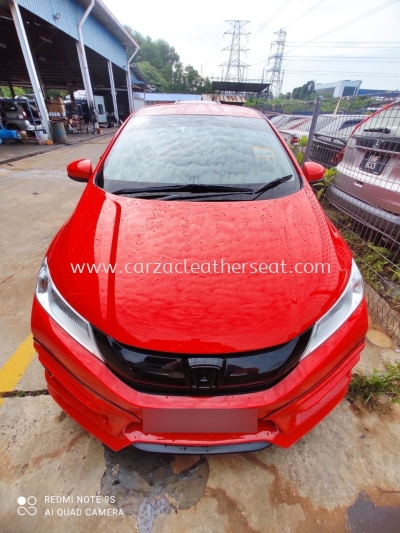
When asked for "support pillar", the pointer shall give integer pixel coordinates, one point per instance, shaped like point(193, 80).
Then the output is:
point(113, 91)
point(30, 65)
point(80, 46)
point(129, 88)
point(128, 78)
point(87, 84)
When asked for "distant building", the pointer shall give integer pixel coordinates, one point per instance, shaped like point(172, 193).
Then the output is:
point(338, 88)
point(378, 92)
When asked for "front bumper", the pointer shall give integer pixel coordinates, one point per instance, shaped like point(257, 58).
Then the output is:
point(113, 412)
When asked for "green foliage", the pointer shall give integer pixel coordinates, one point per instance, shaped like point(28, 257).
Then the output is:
point(153, 77)
point(305, 91)
point(376, 263)
point(329, 175)
point(299, 149)
point(370, 387)
point(376, 257)
point(5, 92)
point(160, 64)
point(56, 93)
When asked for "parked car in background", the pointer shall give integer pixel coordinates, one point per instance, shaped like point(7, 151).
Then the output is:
point(367, 181)
point(198, 360)
point(9, 135)
point(272, 114)
point(329, 142)
point(290, 121)
point(292, 132)
point(14, 117)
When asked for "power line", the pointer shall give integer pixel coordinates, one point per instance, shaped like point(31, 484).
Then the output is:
point(356, 19)
point(261, 26)
point(305, 13)
point(381, 74)
point(235, 67)
point(349, 59)
point(352, 47)
point(348, 42)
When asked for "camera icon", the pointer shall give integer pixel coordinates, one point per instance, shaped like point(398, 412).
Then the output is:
point(27, 505)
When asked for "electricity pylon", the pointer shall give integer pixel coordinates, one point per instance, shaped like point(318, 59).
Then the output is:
point(276, 72)
point(236, 69)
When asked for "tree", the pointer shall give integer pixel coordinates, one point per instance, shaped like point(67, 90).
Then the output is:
point(305, 91)
point(153, 77)
point(160, 64)
point(5, 92)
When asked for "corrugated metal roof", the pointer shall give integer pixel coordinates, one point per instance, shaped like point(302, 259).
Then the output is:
point(101, 31)
point(231, 98)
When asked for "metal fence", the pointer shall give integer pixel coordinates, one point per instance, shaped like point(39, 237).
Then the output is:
point(358, 140)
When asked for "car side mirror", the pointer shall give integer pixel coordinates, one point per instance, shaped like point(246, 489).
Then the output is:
point(80, 170)
point(314, 172)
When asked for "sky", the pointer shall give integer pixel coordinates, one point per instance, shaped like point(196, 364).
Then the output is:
point(367, 49)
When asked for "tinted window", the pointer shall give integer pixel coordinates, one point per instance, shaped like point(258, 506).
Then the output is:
point(350, 123)
point(182, 149)
point(8, 106)
point(387, 121)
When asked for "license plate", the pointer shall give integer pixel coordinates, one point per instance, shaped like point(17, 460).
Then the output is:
point(373, 162)
point(200, 421)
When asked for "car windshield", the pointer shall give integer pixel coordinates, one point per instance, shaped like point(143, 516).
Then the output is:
point(387, 121)
point(342, 123)
point(192, 149)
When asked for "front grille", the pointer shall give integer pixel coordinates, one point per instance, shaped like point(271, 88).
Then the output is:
point(200, 374)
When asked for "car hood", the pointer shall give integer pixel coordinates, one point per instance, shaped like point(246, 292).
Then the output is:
point(199, 312)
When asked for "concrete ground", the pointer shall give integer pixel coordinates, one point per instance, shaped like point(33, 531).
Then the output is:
point(12, 151)
point(344, 476)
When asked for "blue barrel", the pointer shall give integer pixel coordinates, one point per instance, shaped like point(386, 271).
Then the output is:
point(59, 135)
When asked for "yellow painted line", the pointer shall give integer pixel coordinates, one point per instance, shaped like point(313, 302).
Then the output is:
point(15, 367)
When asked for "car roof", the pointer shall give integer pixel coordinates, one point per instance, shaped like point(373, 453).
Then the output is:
point(188, 108)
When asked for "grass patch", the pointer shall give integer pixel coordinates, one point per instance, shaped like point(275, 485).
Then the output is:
point(368, 388)
point(378, 264)
point(23, 393)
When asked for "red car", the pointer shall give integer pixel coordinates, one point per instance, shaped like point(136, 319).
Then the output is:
point(198, 300)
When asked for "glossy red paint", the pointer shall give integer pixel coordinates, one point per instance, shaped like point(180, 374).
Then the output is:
point(313, 171)
point(112, 411)
point(80, 170)
point(204, 313)
point(166, 312)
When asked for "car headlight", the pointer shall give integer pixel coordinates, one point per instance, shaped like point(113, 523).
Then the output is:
point(66, 317)
point(348, 302)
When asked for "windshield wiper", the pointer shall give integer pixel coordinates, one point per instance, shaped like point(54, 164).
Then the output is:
point(271, 185)
point(188, 187)
point(257, 192)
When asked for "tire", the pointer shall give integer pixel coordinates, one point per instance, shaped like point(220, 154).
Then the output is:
point(13, 127)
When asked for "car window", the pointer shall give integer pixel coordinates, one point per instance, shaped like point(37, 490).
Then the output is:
point(276, 119)
point(8, 106)
point(183, 149)
point(350, 123)
point(386, 121)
